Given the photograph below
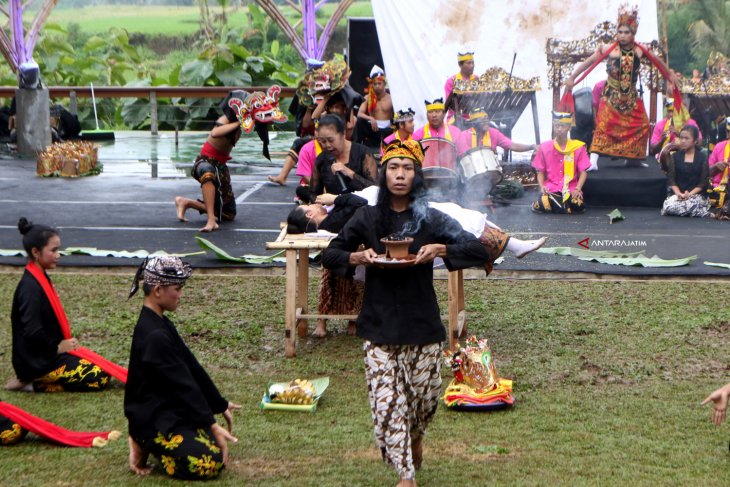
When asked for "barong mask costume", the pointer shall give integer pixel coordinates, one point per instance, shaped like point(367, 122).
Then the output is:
point(163, 271)
point(255, 111)
point(327, 78)
point(405, 149)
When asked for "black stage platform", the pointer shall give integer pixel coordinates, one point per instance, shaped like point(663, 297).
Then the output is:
point(125, 209)
point(614, 184)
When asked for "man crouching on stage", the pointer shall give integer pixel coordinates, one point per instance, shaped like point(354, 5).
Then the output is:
point(400, 319)
point(169, 400)
point(561, 166)
point(211, 171)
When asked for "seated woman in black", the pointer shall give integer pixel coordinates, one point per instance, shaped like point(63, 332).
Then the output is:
point(687, 175)
point(343, 166)
point(170, 401)
point(46, 357)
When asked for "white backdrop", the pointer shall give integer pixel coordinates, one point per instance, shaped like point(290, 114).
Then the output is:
point(420, 39)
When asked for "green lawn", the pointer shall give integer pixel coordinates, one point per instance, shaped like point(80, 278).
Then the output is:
point(608, 378)
point(172, 20)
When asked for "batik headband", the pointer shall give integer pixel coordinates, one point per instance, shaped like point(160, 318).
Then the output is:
point(437, 104)
point(403, 115)
point(466, 56)
point(404, 149)
point(669, 102)
point(163, 271)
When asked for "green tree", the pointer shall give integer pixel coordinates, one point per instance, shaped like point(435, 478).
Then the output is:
point(711, 31)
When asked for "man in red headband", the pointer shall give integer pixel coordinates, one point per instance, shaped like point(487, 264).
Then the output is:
point(622, 127)
point(375, 115)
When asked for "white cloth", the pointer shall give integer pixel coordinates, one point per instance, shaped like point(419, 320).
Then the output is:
point(436, 30)
point(383, 124)
point(470, 220)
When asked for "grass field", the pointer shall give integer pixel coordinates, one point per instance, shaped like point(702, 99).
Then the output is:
point(608, 380)
point(154, 20)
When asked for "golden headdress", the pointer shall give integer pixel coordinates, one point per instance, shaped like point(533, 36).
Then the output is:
point(403, 115)
point(406, 149)
point(628, 16)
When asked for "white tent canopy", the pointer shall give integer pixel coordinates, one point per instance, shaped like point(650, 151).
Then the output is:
point(420, 40)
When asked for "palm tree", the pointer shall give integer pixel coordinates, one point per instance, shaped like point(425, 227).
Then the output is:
point(712, 32)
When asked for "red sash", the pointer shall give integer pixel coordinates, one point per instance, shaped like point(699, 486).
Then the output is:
point(566, 103)
point(43, 428)
point(109, 367)
point(210, 151)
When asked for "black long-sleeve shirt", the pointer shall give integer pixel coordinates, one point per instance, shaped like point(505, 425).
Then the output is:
point(400, 305)
point(345, 206)
point(36, 332)
point(688, 175)
point(166, 386)
point(325, 181)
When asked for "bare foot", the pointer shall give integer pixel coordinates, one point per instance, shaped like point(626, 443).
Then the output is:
point(138, 459)
point(351, 328)
point(15, 384)
point(417, 452)
point(210, 227)
point(180, 205)
point(320, 331)
point(278, 180)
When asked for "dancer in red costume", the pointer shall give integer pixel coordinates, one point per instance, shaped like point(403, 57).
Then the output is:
point(622, 127)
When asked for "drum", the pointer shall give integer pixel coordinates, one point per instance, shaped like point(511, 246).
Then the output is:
point(480, 172)
point(440, 153)
point(478, 161)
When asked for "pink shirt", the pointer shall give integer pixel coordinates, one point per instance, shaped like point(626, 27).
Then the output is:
point(718, 155)
point(550, 162)
point(658, 133)
point(307, 155)
point(497, 138)
point(440, 132)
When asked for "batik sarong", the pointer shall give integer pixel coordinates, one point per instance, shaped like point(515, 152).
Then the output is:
point(72, 374)
point(207, 169)
point(339, 295)
point(188, 453)
point(11, 432)
point(404, 386)
point(495, 241)
point(696, 206)
point(554, 203)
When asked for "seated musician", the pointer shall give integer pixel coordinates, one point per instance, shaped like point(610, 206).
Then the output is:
point(561, 166)
point(466, 72)
point(482, 134)
point(436, 127)
point(665, 131)
point(46, 357)
point(719, 163)
point(169, 400)
point(375, 115)
point(403, 124)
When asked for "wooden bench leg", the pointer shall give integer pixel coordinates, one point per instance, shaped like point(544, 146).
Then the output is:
point(290, 338)
point(303, 292)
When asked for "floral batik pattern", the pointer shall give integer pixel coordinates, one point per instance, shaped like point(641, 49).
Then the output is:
point(72, 374)
point(404, 385)
point(10, 432)
point(189, 454)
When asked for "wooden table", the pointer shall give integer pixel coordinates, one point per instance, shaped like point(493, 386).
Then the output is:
point(297, 317)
